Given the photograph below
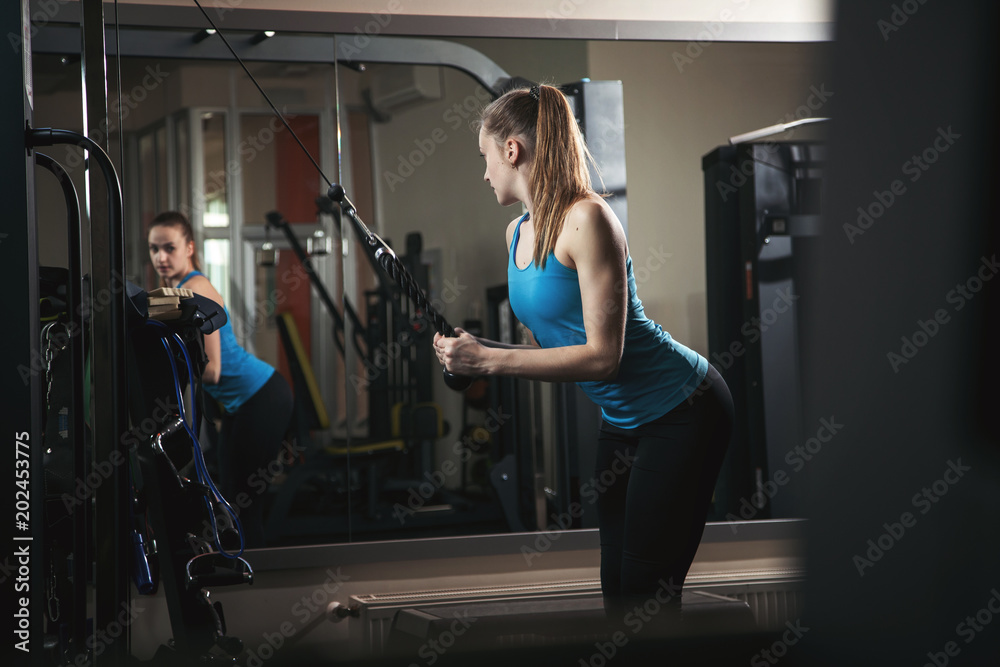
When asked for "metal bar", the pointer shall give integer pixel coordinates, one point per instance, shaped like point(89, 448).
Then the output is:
point(291, 48)
point(139, 42)
point(411, 51)
point(81, 511)
point(111, 574)
point(107, 370)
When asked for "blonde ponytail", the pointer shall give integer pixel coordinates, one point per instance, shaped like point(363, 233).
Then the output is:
point(560, 174)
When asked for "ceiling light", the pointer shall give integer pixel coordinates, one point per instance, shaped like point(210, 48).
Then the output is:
point(202, 35)
point(261, 36)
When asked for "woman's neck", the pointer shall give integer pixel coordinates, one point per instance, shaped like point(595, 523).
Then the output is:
point(171, 282)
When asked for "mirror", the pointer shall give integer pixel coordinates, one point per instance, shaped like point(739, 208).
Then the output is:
point(530, 444)
point(382, 449)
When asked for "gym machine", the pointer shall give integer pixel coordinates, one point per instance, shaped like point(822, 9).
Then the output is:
point(762, 204)
point(392, 342)
point(104, 512)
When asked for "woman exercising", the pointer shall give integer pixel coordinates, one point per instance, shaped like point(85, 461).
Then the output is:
point(257, 400)
point(667, 414)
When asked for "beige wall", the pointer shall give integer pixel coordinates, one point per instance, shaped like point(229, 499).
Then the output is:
point(675, 115)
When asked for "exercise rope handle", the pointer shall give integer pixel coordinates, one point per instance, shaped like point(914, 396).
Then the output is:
point(392, 265)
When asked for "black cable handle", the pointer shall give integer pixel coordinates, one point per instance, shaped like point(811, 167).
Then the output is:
point(393, 266)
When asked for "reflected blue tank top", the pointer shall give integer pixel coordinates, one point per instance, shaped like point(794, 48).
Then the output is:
point(242, 373)
point(656, 373)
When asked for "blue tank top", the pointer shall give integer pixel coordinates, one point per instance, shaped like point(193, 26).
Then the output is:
point(242, 374)
point(656, 373)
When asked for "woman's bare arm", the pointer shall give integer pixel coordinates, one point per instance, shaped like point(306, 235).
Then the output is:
point(593, 243)
point(213, 349)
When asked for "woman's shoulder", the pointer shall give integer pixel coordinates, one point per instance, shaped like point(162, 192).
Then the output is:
point(590, 229)
point(200, 284)
point(592, 215)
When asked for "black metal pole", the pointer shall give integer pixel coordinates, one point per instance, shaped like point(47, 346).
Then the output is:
point(107, 271)
point(74, 306)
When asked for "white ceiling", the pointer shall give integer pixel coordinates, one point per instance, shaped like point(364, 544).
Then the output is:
point(685, 20)
point(736, 11)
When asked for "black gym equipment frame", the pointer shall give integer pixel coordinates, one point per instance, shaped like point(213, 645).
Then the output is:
point(99, 542)
point(23, 582)
point(172, 502)
point(76, 440)
point(24, 376)
point(762, 203)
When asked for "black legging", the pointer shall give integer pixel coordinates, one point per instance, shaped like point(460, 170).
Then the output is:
point(250, 440)
point(653, 509)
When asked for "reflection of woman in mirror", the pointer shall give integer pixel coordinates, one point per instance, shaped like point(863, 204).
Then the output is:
point(667, 414)
point(256, 399)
